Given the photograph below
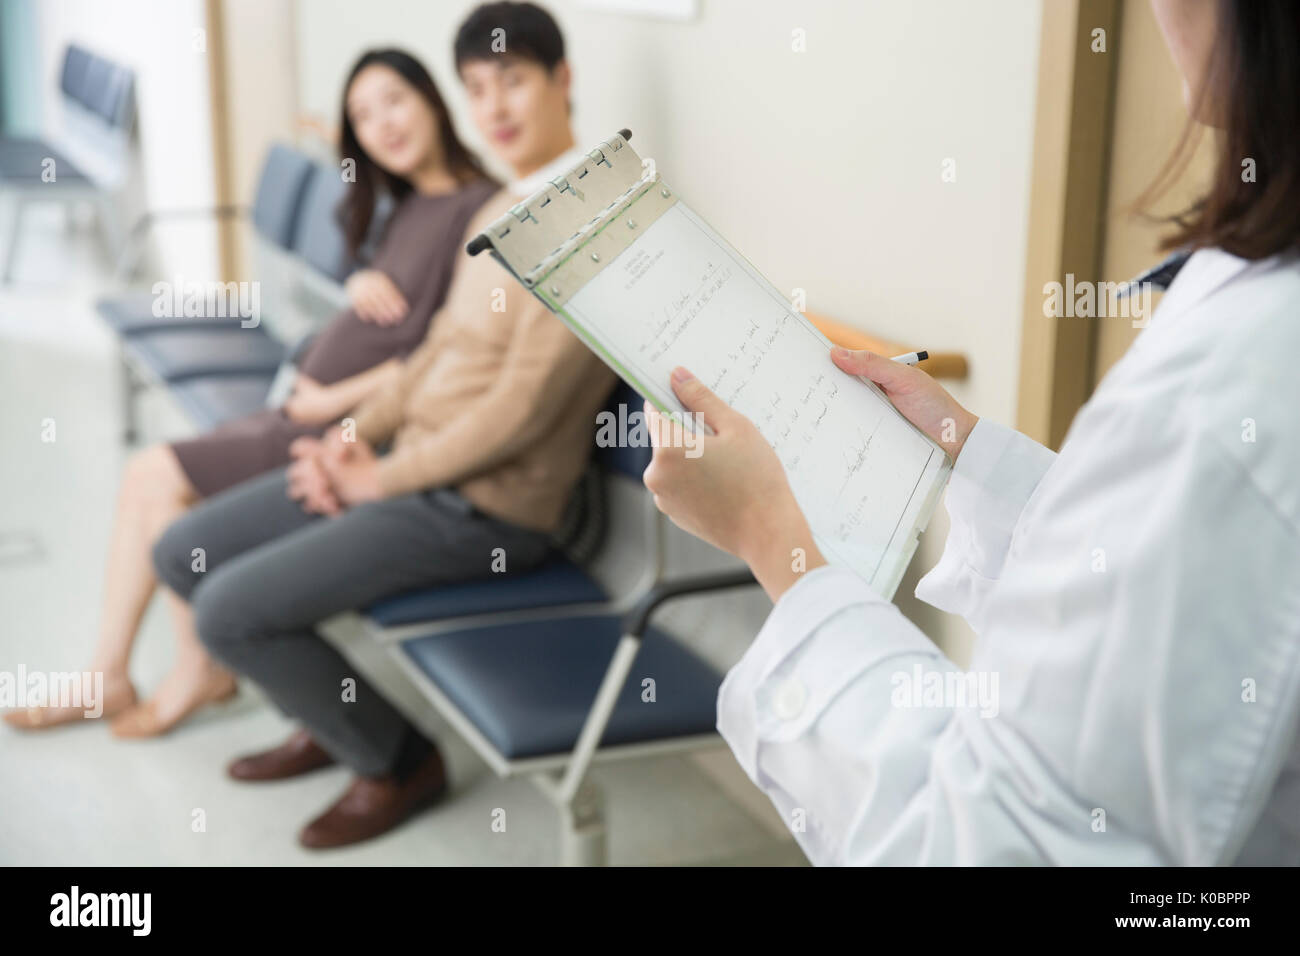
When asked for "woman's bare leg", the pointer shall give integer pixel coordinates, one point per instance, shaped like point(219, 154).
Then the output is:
point(195, 681)
point(154, 492)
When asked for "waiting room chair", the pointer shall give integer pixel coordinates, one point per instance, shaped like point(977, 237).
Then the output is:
point(90, 160)
point(214, 367)
point(547, 672)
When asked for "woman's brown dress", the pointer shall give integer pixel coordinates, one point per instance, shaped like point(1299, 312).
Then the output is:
point(418, 250)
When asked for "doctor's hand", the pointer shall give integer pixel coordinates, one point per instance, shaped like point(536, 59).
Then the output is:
point(729, 488)
point(921, 400)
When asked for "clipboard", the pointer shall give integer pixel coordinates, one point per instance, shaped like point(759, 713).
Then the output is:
point(647, 284)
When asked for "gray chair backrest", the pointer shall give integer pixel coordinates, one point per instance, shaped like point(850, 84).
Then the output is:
point(279, 194)
point(585, 524)
point(96, 76)
point(102, 88)
point(319, 238)
point(72, 77)
point(630, 461)
point(115, 102)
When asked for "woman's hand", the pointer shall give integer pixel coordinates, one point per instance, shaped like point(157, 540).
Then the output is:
point(375, 297)
point(729, 488)
point(921, 400)
point(312, 403)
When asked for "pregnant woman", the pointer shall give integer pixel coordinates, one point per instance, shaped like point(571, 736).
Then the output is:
point(399, 134)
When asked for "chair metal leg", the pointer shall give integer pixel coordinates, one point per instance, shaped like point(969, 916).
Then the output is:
point(11, 247)
point(579, 800)
point(131, 389)
point(593, 729)
point(111, 233)
point(582, 820)
point(582, 829)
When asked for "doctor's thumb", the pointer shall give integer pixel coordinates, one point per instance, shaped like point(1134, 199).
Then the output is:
point(885, 372)
point(698, 397)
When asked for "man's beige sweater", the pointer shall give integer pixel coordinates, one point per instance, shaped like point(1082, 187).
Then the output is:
point(499, 401)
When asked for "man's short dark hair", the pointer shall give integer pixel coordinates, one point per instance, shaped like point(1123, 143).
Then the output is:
point(526, 31)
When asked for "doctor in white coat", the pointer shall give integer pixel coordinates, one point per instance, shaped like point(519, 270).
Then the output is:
point(1136, 595)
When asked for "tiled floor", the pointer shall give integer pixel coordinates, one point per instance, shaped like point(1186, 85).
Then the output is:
point(78, 796)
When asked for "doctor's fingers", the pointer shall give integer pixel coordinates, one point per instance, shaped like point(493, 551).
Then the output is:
point(665, 431)
point(702, 402)
point(666, 474)
point(890, 375)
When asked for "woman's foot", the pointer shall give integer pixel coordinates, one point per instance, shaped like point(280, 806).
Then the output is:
point(118, 697)
point(182, 692)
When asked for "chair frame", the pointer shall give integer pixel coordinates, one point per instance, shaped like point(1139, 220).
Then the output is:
point(563, 777)
point(23, 194)
point(103, 180)
point(136, 377)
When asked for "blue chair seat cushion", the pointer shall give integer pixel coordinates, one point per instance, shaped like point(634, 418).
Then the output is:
point(23, 160)
point(133, 312)
point(209, 402)
point(556, 581)
point(529, 686)
point(176, 354)
point(24, 146)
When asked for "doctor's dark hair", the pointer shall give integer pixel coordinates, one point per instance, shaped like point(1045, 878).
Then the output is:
point(522, 30)
point(1252, 90)
point(357, 210)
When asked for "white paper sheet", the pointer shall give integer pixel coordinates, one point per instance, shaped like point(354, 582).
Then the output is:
point(680, 295)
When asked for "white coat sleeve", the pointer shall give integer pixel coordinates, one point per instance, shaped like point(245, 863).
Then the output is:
point(1121, 691)
point(820, 714)
point(995, 475)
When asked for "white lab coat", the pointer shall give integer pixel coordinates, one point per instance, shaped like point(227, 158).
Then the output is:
point(1137, 597)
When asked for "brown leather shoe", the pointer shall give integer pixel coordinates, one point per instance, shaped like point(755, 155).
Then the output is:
point(374, 805)
point(297, 755)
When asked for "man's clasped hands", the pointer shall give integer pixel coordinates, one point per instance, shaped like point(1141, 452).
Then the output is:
point(333, 473)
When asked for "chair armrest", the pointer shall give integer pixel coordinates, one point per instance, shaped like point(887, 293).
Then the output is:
point(635, 620)
point(317, 294)
point(125, 265)
point(939, 364)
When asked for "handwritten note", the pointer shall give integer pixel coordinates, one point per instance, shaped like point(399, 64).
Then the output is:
point(681, 295)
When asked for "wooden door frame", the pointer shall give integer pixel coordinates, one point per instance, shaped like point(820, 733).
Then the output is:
point(1072, 142)
point(223, 178)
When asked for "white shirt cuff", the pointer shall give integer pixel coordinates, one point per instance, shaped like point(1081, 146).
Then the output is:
point(992, 481)
point(797, 664)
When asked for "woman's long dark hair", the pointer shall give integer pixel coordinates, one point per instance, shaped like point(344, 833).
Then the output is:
point(1252, 91)
point(358, 206)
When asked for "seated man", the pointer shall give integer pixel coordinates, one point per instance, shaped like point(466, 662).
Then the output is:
point(490, 422)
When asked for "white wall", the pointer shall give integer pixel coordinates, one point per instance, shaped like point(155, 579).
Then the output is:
point(155, 38)
point(822, 167)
